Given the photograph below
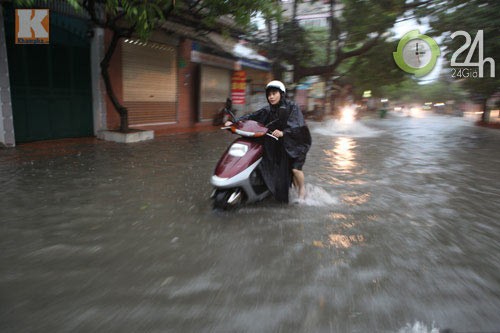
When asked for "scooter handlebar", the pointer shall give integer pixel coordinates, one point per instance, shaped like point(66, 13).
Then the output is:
point(272, 136)
point(248, 133)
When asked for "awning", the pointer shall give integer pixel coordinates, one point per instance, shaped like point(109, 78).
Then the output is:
point(246, 56)
point(243, 54)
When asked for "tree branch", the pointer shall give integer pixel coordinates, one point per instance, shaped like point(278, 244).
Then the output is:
point(416, 4)
point(361, 50)
point(302, 72)
point(112, 22)
point(90, 8)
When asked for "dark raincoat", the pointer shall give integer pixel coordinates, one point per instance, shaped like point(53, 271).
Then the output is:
point(276, 166)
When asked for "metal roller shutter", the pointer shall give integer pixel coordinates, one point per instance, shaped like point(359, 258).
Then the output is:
point(149, 74)
point(215, 88)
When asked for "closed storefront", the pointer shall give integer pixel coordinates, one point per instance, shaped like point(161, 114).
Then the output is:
point(149, 75)
point(213, 80)
point(215, 87)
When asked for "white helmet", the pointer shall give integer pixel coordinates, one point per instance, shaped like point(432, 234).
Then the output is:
point(276, 85)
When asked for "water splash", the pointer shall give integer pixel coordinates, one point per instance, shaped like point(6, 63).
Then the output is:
point(418, 327)
point(341, 127)
point(315, 196)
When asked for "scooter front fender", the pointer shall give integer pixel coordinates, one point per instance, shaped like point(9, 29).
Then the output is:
point(239, 180)
point(239, 156)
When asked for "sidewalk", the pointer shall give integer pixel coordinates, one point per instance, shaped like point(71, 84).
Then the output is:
point(494, 121)
point(164, 130)
point(489, 124)
point(69, 145)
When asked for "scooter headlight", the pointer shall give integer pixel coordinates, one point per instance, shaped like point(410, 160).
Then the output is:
point(238, 150)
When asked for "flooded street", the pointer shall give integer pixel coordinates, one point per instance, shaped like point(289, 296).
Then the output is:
point(399, 233)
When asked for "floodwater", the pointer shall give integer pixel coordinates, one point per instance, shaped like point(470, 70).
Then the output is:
point(399, 233)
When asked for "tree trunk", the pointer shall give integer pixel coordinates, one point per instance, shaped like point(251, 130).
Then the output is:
point(122, 110)
point(485, 117)
point(327, 106)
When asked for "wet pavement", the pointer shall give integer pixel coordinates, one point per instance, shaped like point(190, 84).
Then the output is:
point(399, 234)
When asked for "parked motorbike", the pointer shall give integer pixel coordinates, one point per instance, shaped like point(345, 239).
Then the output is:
point(221, 116)
point(237, 178)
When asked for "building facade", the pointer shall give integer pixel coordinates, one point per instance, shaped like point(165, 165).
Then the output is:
point(175, 81)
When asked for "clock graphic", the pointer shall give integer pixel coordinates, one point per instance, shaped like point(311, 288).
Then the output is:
point(416, 54)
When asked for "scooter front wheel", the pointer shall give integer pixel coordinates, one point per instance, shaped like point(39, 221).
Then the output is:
point(220, 200)
point(225, 199)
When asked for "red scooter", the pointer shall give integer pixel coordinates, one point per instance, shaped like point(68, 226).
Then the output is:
point(237, 178)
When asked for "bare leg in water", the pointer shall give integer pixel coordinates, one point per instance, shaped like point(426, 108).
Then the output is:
point(298, 182)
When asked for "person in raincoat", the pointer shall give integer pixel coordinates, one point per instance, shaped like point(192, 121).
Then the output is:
point(284, 158)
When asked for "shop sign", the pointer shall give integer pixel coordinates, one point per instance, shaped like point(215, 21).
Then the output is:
point(238, 87)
